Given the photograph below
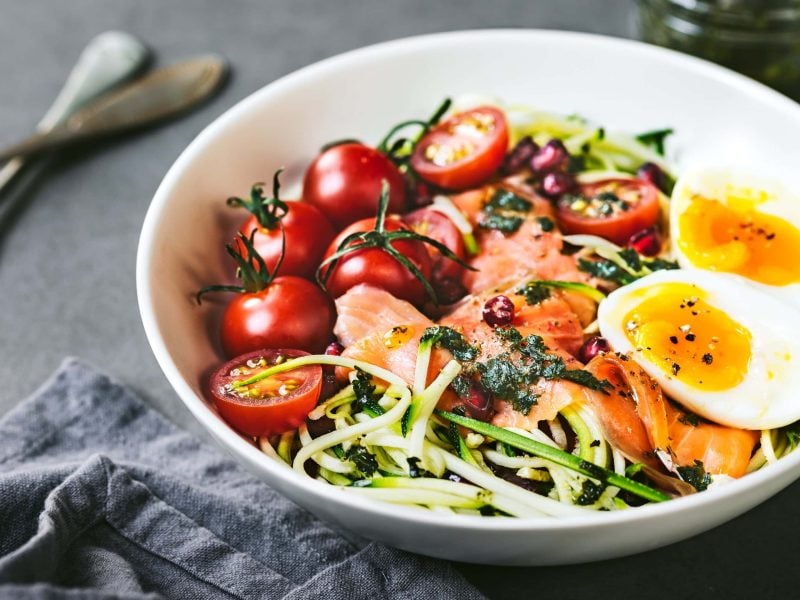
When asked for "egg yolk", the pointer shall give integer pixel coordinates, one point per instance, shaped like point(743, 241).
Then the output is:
point(673, 327)
point(736, 238)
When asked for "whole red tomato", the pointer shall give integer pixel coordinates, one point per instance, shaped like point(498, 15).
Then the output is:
point(376, 267)
point(290, 312)
point(344, 182)
point(433, 224)
point(308, 233)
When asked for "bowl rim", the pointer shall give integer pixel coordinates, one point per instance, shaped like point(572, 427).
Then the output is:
point(352, 59)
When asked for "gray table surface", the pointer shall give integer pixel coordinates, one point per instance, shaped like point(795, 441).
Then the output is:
point(68, 243)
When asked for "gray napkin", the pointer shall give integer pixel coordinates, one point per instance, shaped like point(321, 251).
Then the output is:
point(102, 497)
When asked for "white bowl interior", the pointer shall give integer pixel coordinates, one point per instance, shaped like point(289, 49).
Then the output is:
point(720, 119)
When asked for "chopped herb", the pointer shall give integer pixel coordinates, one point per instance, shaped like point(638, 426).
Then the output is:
point(509, 334)
point(659, 264)
point(689, 419)
point(505, 211)
point(675, 368)
point(523, 403)
point(450, 339)
point(414, 470)
point(461, 385)
point(506, 200)
point(611, 271)
point(364, 390)
point(501, 222)
point(673, 339)
point(590, 493)
point(510, 378)
point(793, 435)
point(631, 258)
point(363, 460)
point(605, 269)
point(546, 224)
point(655, 139)
point(690, 337)
point(534, 292)
point(695, 476)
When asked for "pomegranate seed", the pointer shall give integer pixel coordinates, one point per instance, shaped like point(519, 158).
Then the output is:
point(498, 311)
point(520, 156)
point(334, 349)
point(553, 156)
point(646, 242)
point(555, 185)
point(479, 403)
point(320, 426)
point(653, 174)
point(592, 347)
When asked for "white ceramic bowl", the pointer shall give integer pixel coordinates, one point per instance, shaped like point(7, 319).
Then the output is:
point(720, 117)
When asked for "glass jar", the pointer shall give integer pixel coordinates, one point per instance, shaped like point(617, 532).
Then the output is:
point(758, 38)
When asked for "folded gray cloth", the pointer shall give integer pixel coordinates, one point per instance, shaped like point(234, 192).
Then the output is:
point(102, 497)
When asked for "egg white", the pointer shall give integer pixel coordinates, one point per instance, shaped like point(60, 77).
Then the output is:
point(719, 184)
point(760, 401)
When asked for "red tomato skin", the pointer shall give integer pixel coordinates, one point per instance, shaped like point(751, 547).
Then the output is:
point(291, 312)
point(437, 226)
point(345, 183)
point(308, 233)
point(472, 170)
point(377, 268)
point(616, 228)
point(256, 418)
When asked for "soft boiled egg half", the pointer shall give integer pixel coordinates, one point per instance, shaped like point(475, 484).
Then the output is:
point(720, 346)
point(731, 222)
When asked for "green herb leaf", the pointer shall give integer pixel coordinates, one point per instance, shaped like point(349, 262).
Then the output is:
point(534, 292)
point(655, 139)
point(505, 211)
point(450, 339)
point(363, 459)
point(605, 269)
point(695, 476)
point(631, 258)
point(364, 390)
point(546, 223)
point(590, 493)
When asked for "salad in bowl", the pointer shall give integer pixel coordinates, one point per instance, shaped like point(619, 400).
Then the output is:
point(484, 331)
point(499, 311)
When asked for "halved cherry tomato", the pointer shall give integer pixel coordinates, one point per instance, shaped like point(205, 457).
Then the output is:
point(272, 405)
point(614, 209)
point(463, 151)
point(435, 225)
point(308, 233)
point(376, 267)
point(290, 312)
point(345, 181)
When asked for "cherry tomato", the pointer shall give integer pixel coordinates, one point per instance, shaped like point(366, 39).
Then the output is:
point(308, 233)
point(614, 209)
point(344, 182)
point(463, 151)
point(290, 312)
point(376, 267)
point(270, 406)
point(435, 225)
